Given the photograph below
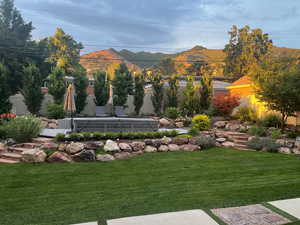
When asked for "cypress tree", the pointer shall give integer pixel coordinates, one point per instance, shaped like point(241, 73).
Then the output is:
point(139, 92)
point(57, 86)
point(101, 88)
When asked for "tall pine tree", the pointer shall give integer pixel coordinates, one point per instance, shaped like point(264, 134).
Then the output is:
point(101, 88)
point(139, 92)
point(57, 86)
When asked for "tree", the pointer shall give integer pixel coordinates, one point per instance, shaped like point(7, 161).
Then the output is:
point(32, 92)
point(190, 101)
point(15, 37)
point(64, 51)
point(167, 67)
point(206, 91)
point(157, 91)
point(5, 105)
point(245, 49)
point(81, 83)
point(195, 68)
point(139, 92)
point(122, 85)
point(278, 85)
point(57, 85)
point(101, 88)
point(172, 92)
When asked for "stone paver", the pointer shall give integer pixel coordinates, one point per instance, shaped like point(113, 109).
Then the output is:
point(250, 215)
point(291, 206)
point(193, 217)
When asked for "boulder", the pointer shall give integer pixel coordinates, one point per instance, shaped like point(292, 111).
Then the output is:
point(62, 147)
point(59, 157)
point(193, 140)
point(85, 156)
point(173, 148)
point(163, 148)
point(150, 149)
point(220, 135)
point(122, 155)
point(138, 146)
point(281, 142)
point(148, 141)
point(94, 145)
point(2, 147)
point(232, 127)
point(221, 140)
point(34, 156)
point(220, 124)
point(285, 150)
point(189, 148)
point(166, 140)
point(179, 124)
point(164, 122)
point(125, 147)
point(52, 126)
point(296, 151)
point(75, 147)
point(105, 158)
point(228, 144)
point(137, 153)
point(180, 141)
point(156, 143)
point(297, 144)
point(111, 146)
point(290, 143)
point(49, 146)
point(251, 138)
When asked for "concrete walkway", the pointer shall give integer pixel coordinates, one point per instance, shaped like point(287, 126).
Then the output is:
point(245, 215)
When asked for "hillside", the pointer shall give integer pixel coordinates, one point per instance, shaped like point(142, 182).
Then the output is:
point(108, 60)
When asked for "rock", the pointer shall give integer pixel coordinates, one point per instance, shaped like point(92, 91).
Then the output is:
point(34, 156)
point(2, 147)
point(75, 147)
point(94, 145)
point(44, 124)
point(228, 144)
point(163, 148)
point(164, 122)
point(137, 153)
point(148, 141)
point(125, 147)
point(156, 143)
point(111, 146)
point(285, 150)
point(173, 148)
point(297, 144)
point(52, 126)
point(296, 151)
point(179, 124)
point(281, 142)
point(193, 140)
point(180, 141)
point(150, 149)
point(220, 135)
point(232, 127)
point(59, 157)
point(122, 155)
point(218, 144)
point(290, 143)
point(85, 156)
point(251, 138)
point(166, 140)
point(189, 148)
point(220, 124)
point(105, 158)
point(221, 140)
point(62, 147)
point(49, 146)
point(138, 146)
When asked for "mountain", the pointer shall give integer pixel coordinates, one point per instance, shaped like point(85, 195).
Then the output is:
point(109, 59)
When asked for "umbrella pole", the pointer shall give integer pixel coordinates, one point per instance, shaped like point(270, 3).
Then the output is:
point(72, 124)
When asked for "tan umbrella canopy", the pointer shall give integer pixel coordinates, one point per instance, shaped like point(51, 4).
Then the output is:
point(69, 105)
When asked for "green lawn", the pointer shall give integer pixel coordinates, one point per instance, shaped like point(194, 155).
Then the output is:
point(51, 194)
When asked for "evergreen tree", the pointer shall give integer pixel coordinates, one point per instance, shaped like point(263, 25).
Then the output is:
point(81, 83)
point(190, 101)
point(122, 85)
point(167, 67)
point(245, 49)
point(139, 92)
point(5, 105)
point(32, 92)
point(157, 91)
point(206, 91)
point(172, 92)
point(57, 85)
point(15, 35)
point(101, 88)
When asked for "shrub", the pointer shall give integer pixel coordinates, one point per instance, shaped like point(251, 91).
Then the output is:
point(60, 137)
point(246, 114)
point(193, 131)
point(3, 133)
point(266, 144)
point(275, 134)
point(23, 129)
point(225, 103)
point(206, 142)
point(258, 131)
point(292, 134)
point(184, 136)
point(201, 122)
point(55, 111)
point(172, 112)
point(75, 137)
point(271, 120)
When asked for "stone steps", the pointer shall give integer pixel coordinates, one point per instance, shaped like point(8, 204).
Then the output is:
point(11, 156)
point(8, 161)
point(17, 149)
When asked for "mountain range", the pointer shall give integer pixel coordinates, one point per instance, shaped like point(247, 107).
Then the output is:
point(109, 59)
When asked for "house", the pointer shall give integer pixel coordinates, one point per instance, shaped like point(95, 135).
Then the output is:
point(245, 90)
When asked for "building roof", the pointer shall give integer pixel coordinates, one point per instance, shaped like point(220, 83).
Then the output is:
point(244, 81)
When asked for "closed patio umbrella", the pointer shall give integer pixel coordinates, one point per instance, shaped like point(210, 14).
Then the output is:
point(69, 105)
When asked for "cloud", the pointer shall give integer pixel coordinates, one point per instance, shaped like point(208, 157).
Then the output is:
point(162, 24)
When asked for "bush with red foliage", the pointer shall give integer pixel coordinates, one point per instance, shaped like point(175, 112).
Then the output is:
point(7, 116)
point(225, 103)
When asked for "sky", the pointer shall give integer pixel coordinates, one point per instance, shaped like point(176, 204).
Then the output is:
point(161, 25)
